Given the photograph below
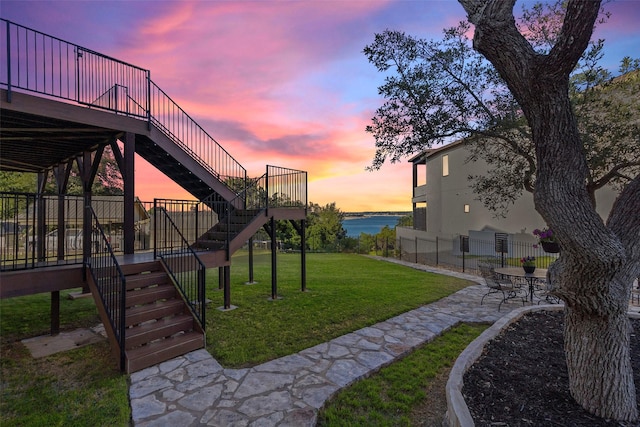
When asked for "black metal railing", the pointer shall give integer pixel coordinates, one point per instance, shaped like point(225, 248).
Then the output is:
point(40, 63)
point(17, 231)
point(39, 229)
point(110, 282)
point(236, 214)
point(36, 62)
point(285, 187)
point(183, 264)
point(178, 126)
point(191, 217)
point(278, 188)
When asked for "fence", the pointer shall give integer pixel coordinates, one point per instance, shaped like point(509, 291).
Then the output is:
point(464, 253)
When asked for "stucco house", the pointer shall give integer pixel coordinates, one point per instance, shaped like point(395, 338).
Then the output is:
point(445, 206)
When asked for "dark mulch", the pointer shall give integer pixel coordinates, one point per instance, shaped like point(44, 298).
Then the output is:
point(521, 379)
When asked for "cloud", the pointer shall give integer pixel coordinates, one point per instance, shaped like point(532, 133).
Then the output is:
point(275, 82)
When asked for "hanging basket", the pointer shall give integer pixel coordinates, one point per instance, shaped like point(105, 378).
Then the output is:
point(551, 247)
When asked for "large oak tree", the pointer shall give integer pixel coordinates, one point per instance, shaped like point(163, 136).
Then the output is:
point(600, 259)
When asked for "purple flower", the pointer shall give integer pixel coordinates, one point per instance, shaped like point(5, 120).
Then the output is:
point(545, 235)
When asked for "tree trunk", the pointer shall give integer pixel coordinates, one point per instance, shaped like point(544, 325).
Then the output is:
point(599, 348)
point(596, 340)
point(594, 273)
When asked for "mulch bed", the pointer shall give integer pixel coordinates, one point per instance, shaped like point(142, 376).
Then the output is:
point(521, 379)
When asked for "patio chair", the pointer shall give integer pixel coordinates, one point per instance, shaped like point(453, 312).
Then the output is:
point(497, 284)
point(545, 295)
point(635, 292)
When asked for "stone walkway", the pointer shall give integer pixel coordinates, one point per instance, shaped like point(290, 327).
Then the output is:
point(194, 390)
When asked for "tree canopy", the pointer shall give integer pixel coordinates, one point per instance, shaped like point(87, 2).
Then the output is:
point(439, 91)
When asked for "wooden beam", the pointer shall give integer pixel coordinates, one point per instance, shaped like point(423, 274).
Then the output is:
point(40, 280)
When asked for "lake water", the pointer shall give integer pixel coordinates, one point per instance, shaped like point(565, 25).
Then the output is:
point(368, 224)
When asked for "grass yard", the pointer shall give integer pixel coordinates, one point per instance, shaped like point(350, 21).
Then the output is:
point(26, 317)
point(83, 386)
point(345, 292)
point(397, 394)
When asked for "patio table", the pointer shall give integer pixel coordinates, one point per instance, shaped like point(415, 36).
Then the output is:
point(539, 274)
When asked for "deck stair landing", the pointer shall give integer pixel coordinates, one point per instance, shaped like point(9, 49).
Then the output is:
point(159, 325)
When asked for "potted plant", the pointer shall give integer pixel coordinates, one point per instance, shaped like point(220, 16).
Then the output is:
point(547, 239)
point(528, 264)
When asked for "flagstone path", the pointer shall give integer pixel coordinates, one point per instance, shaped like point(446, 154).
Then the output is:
point(195, 390)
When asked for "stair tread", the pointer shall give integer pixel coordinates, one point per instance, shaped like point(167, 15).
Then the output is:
point(149, 267)
point(161, 329)
point(154, 311)
point(165, 345)
point(162, 323)
point(147, 279)
point(150, 294)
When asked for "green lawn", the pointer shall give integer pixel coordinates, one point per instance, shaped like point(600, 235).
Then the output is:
point(26, 317)
point(83, 387)
point(344, 293)
point(394, 395)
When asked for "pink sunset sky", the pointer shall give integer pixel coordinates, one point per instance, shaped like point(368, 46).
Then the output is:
point(283, 83)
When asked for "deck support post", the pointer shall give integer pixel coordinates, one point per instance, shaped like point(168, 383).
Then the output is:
point(303, 256)
point(41, 223)
point(250, 261)
point(274, 249)
point(61, 174)
point(227, 287)
point(128, 171)
point(55, 312)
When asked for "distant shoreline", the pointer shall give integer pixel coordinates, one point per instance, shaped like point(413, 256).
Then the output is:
point(352, 215)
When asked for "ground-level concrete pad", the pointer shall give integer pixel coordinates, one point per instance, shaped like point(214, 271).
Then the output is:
point(47, 345)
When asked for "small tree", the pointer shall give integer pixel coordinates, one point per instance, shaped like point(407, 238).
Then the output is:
point(405, 221)
point(324, 229)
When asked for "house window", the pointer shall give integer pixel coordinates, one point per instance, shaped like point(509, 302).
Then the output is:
point(445, 165)
point(466, 208)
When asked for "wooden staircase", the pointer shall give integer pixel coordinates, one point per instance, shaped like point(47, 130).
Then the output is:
point(216, 237)
point(159, 324)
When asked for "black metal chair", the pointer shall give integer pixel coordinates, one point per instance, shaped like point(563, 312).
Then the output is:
point(545, 292)
point(635, 292)
point(497, 284)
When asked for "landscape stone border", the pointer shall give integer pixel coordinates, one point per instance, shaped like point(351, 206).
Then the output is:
point(458, 414)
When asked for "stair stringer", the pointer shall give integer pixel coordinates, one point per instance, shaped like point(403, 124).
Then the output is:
point(114, 345)
point(218, 258)
point(179, 165)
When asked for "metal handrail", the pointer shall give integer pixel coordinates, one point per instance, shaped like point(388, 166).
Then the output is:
point(286, 187)
point(110, 282)
point(178, 126)
point(184, 266)
point(36, 62)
